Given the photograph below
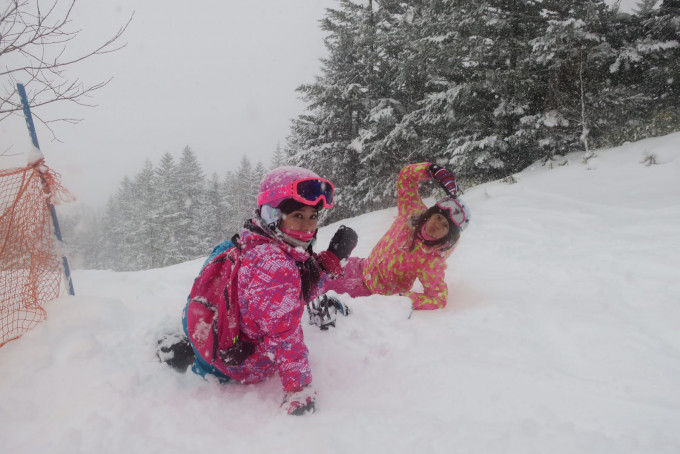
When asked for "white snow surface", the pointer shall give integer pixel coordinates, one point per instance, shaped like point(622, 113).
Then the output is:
point(561, 335)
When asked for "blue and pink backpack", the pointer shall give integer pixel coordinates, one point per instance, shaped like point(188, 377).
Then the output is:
point(211, 317)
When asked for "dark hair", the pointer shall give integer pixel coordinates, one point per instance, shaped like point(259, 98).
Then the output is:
point(419, 220)
point(310, 275)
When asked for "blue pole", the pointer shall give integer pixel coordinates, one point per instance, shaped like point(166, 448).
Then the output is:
point(53, 212)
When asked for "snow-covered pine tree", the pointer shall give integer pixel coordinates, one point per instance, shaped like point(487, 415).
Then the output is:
point(576, 56)
point(279, 157)
point(620, 119)
point(395, 83)
point(478, 90)
point(241, 188)
point(191, 188)
point(214, 216)
point(258, 172)
point(121, 223)
point(337, 101)
point(111, 233)
point(230, 197)
point(165, 247)
point(661, 50)
point(645, 8)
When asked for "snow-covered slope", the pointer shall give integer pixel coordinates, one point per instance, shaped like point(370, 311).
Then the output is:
point(562, 335)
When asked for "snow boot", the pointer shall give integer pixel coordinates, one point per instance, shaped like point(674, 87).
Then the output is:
point(323, 311)
point(176, 351)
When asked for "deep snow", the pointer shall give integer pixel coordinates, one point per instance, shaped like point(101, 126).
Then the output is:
point(562, 335)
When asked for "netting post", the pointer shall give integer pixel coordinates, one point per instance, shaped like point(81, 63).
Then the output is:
point(53, 212)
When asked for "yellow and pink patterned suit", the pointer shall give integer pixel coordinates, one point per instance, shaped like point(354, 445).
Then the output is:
point(393, 266)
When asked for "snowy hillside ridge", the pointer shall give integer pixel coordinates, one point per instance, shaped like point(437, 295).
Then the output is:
point(560, 336)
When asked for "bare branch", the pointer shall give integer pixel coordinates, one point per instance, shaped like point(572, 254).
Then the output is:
point(38, 39)
point(6, 152)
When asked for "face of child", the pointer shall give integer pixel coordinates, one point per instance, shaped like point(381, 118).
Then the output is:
point(303, 220)
point(437, 226)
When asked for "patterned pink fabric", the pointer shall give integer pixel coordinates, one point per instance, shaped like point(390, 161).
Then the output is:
point(352, 280)
point(392, 267)
point(271, 307)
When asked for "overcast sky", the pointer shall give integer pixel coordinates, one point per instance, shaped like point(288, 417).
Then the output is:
point(217, 76)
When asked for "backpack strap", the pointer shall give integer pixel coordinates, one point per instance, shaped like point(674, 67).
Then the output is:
point(236, 239)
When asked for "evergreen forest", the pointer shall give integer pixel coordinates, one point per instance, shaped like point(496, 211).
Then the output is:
point(166, 214)
point(484, 87)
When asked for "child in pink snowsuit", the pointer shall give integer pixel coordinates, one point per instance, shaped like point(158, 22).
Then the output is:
point(415, 246)
point(278, 275)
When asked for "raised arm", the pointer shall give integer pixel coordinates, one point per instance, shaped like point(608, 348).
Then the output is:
point(409, 180)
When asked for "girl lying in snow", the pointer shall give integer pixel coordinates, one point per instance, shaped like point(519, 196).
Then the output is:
point(415, 246)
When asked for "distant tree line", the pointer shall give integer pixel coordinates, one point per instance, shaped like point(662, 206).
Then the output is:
point(166, 214)
point(485, 88)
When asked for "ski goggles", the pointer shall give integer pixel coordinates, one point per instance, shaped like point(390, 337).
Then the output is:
point(456, 211)
point(305, 190)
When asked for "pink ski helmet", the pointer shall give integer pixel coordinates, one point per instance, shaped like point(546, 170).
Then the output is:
point(290, 182)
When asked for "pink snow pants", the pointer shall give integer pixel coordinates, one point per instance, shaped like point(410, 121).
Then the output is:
point(352, 282)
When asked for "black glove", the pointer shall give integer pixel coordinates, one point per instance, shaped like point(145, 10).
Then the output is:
point(324, 310)
point(343, 242)
point(445, 178)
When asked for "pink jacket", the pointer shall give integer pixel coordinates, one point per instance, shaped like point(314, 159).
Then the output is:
point(271, 307)
point(392, 267)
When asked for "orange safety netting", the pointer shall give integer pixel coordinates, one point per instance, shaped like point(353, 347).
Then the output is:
point(30, 265)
